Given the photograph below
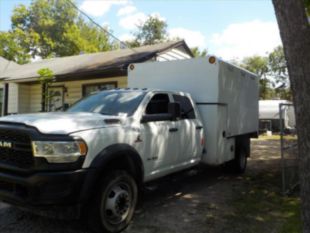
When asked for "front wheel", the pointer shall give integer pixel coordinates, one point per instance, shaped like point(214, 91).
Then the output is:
point(115, 204)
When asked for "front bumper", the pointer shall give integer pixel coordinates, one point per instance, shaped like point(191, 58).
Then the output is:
point(44, 191)
point(33, 183)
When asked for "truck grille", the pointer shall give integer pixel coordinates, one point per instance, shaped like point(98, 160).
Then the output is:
point(19, 154)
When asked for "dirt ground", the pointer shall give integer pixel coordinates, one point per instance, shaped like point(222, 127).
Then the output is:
point(195, 201)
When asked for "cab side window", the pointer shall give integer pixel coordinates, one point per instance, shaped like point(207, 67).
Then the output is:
point(158, 104)
point(187, 110)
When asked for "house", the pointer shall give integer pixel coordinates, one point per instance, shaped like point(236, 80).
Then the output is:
point(269, 115)
point(78, 76)
point(5, 65)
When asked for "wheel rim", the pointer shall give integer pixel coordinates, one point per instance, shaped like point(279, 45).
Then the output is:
point(117, 203)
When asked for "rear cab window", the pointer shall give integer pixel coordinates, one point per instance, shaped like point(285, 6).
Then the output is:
point(187, 109)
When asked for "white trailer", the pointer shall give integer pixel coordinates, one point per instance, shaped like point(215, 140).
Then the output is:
point(226, 96)
point(269, 115)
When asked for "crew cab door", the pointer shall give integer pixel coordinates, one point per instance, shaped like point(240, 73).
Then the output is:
point(191, 131)
point(160, 137)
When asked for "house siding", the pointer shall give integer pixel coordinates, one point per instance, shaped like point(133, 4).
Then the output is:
point(35, 98)
point(13, 98)
point(74, 91)
point(23, 98)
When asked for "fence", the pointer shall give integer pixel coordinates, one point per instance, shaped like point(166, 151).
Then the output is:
point(289, 149)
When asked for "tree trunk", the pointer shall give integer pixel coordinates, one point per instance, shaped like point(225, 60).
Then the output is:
point(295, 34)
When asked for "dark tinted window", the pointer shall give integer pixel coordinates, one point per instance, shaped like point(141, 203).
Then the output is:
point(110, 103)
point(187, 110)
point(158, 104)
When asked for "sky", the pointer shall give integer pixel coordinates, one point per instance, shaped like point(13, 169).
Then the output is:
point(231, 29)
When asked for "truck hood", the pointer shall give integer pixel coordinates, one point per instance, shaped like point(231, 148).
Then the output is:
point(62, 122)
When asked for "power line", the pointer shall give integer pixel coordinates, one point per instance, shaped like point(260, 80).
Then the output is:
point(102, 28)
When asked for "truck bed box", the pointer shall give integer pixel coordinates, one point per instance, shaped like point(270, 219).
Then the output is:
point(226, 96)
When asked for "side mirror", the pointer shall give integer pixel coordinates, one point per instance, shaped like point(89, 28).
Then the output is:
point(175, 110)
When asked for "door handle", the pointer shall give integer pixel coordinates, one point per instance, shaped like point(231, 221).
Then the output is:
point(173, 129)
point(199, 127)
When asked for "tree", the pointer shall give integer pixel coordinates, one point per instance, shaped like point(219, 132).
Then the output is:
point(307, 3)
point(278, 71)
point(92, 38)
point(46, 77)
point(295, 34)
point(259, 66)
point(277, 63)
point(199, 53)
point(152, 31)
point(13, 46)
point(52, 28)
point(272, 70)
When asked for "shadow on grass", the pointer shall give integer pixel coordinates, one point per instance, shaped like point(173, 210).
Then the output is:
point(259, 206)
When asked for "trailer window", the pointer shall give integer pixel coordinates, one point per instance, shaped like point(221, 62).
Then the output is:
point(158, 104)
point(187, 110)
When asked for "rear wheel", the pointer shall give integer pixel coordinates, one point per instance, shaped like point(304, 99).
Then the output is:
point(240, 161)
point(114, 206)
point(242, 152)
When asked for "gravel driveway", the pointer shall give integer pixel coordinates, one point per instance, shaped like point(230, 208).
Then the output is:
point(187, 202)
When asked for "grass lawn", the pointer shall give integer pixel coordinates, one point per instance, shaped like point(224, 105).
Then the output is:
point(259, 206)
point(277, 137)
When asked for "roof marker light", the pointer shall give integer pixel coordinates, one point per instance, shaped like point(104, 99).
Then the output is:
point(212, 60)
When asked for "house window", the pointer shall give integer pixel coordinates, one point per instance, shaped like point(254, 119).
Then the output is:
point(55, 98)
point(93, 87)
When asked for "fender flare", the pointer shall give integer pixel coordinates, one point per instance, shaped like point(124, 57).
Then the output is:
point(105, 160)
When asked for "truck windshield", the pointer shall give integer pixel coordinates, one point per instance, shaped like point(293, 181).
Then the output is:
point(110, 103)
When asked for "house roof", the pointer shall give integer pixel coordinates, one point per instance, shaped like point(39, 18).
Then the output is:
point(6, 65)
point(95, 63)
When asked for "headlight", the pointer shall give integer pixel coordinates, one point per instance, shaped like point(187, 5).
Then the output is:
point(59, 152)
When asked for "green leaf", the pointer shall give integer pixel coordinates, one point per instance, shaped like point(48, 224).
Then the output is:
point(46, 75)
point(50, 28)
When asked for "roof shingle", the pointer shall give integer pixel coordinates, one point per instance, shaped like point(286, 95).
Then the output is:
point(91, 62)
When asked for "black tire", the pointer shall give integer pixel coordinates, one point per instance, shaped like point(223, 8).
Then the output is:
point(113, 208)
point(242, 152)
point(240, 161)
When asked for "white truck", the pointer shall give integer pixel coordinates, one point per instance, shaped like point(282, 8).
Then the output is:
point(93, 158)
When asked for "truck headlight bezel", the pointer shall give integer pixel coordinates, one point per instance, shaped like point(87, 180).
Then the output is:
point(60, 151)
